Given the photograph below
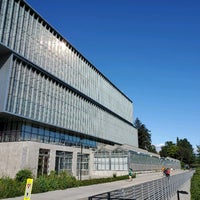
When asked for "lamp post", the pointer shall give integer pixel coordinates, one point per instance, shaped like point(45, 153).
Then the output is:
point(81, 160)
point(180, 192)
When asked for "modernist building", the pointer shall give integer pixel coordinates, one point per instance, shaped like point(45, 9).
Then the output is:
point(57, 110)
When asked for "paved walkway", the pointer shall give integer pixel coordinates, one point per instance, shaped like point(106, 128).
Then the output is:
point(185, 187)
point(82, 193)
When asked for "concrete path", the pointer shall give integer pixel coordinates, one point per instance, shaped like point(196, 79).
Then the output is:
point(82, 193)
point(185, 187)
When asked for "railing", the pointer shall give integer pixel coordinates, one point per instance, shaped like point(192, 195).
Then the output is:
point(160, 189)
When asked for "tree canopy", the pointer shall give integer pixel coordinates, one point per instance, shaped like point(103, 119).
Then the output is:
point(169, 150)
point(182, 150)
point(144, 137)
point(198, 154)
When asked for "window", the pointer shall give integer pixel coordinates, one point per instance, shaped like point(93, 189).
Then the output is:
point(63, 161)
point(82, 165)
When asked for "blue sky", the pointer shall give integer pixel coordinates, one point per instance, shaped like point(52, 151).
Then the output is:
point(149, 49)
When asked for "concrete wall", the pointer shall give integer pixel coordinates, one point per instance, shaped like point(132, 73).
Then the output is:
point(11, 158)
point(104, 174)
point(15, 156)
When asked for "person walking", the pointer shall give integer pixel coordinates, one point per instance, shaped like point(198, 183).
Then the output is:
point(167, 172)
point(163, 171)
point(130, 174)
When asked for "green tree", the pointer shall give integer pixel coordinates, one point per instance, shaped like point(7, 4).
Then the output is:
point(185, 151)
point(163, 151)
point(153, 149)
point(182, 151)
point(198, 154)
point(144, 136)
point(169, 150)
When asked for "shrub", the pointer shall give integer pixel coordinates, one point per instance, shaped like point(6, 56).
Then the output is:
point(195, 185)
point(10, 188)
point(40, 185)
point(114, 175)
point(22, 175)
point(66, 180)
point(16, 187)
point(53, 181)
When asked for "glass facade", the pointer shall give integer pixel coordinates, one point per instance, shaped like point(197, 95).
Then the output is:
point(115, 160)
point(51, 82)
point(120, 159)
point(25, 32)
point(12, 131)
point(36, 96)
point(146, 161)
point(102, 160)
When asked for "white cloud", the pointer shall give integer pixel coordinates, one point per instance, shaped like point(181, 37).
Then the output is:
point(195, 150)
point(158, 146)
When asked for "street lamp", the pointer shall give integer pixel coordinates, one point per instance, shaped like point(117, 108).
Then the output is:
point(81, 159)
point(180, 192)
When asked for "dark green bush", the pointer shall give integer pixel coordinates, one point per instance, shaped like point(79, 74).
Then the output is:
point(10, 188)
point(66, 180)
point(16, 187)
point(53, 182)
point(22, 175)
point(40, 185)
